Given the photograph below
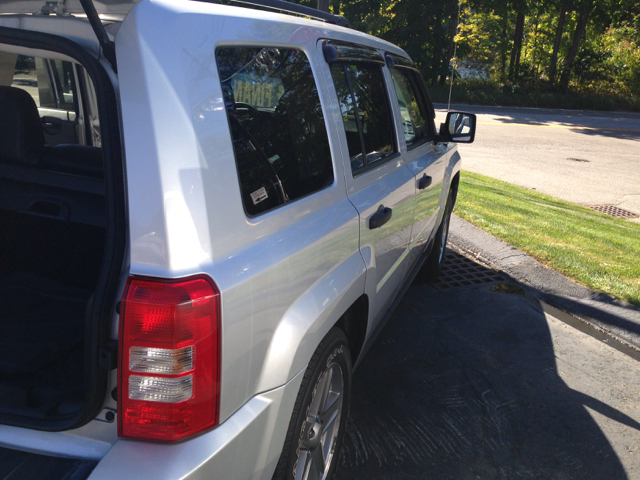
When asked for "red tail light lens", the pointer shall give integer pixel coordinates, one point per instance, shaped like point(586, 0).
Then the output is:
point(169, 371)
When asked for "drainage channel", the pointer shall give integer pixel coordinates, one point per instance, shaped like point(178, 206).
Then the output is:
point(613, 211)
point(460, 271)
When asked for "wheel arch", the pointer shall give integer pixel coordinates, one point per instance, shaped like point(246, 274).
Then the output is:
point(336, 299)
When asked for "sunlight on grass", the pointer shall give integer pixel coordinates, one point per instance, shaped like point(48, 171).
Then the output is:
point(598, 251)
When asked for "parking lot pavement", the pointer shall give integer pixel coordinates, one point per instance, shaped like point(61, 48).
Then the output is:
point(472, 383)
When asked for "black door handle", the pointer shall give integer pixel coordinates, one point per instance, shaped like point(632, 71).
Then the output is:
point(51, 125)
point(424, 182)
point(379, 218)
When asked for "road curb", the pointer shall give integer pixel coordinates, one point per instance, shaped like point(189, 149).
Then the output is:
point(615, 317)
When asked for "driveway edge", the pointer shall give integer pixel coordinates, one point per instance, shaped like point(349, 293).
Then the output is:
point(615, 317)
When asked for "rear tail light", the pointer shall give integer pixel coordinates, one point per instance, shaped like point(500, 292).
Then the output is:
point(169, 372)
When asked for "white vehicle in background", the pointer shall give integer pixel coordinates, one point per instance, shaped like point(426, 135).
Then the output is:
point(208, 213)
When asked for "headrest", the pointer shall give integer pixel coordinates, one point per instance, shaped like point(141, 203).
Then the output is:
point(21, 135)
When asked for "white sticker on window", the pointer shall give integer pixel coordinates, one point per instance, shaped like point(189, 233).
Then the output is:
point(259, 195)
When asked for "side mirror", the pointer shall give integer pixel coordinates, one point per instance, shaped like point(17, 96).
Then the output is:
point(459, 127)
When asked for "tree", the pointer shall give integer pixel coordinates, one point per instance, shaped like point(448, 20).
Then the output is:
point(451, 36)
point(516, 51)
point(556, 43)
point(586, 8)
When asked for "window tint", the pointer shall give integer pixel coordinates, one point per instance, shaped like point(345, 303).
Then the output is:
point(279, 135)
point(365, 112)
point(413, 106)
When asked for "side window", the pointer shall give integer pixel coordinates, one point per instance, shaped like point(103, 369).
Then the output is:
point(413, 106)
point(56, 84)
point(53, 85)
point(275, 116)
point(365, 112)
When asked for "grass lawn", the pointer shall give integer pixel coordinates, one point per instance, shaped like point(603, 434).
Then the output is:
point(596, 250)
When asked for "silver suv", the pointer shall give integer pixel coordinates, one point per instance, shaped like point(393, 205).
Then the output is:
point(207, 214)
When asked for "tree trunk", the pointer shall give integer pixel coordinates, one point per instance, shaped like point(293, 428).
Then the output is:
point(503, 45)
point(514, 63)
point(323, 5)
point(453, 24)
point(581, 26)
point(556, 44)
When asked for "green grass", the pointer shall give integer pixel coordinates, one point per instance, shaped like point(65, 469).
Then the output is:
point(596, 250)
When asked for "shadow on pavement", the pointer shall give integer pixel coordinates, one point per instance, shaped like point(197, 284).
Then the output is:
point(463, 384)
point(622, 127)
point(616, 324)
point(621, 133)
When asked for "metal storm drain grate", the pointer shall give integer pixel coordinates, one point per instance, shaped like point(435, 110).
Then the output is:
point(614, 211)
point(460, 271)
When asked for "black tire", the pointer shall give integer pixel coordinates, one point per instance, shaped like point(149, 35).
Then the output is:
point(321, 407)
point(431, 268)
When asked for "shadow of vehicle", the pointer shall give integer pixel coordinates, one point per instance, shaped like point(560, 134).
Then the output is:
point(464, 384)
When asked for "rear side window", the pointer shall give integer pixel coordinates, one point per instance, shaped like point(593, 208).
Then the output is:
point(275, 116)
point(365, 112)
point(413, 106)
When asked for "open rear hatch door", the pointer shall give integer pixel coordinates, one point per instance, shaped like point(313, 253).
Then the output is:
point(93, 9)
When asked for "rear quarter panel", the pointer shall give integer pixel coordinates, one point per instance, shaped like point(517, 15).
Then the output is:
point(285, 276)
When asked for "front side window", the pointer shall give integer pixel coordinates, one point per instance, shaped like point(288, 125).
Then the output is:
point(275, 116)
point(365, 112)
point(413, 108)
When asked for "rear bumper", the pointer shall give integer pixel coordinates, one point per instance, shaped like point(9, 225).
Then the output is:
point(246, 446)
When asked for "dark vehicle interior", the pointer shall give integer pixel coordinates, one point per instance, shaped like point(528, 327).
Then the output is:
point(52, 240)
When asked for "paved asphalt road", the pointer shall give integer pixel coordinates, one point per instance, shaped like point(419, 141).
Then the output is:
point(469, 383)
point(589, 158)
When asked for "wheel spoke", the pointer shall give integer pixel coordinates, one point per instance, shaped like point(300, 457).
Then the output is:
point(317, 464)
point(325, 389)
point(331, 411)
point(302, 467)
point(318, 400)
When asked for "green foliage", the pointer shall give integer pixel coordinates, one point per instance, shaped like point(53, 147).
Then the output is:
point(606, 65)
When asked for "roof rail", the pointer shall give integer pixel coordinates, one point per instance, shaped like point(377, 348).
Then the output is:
point(288, 7)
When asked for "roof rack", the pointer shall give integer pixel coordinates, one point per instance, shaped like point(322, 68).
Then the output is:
point(288, 7)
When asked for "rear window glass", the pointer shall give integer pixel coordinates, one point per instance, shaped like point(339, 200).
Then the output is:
point(275, 116)
point(365, 111)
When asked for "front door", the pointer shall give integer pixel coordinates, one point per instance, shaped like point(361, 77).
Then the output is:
point(425, 160)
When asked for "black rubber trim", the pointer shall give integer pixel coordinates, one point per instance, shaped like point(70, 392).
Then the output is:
point(98, 321)
point(352, 53)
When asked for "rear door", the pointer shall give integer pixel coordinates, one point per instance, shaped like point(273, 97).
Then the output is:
point(426, 160)
point(378, 183)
